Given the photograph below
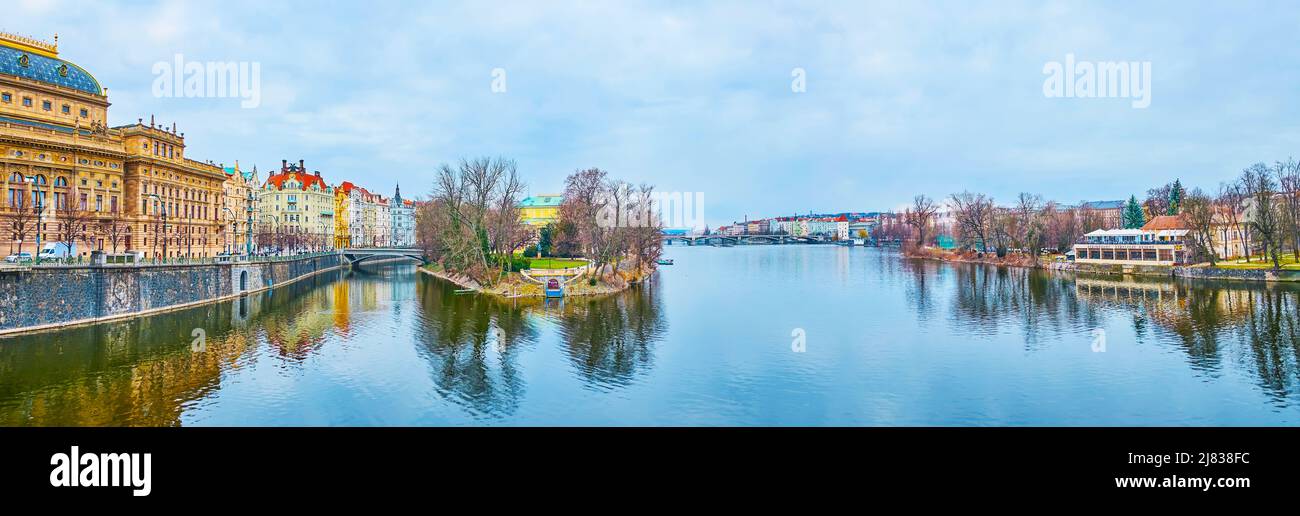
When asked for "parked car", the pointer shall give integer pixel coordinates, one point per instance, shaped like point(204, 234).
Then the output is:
point(18, 258)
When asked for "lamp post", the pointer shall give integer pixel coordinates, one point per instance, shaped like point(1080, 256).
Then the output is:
point(230, 247)
point(39, 203)
point(162, 205)
point(248, 226)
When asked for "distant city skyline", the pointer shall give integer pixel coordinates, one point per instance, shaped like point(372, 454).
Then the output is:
point(898, 99)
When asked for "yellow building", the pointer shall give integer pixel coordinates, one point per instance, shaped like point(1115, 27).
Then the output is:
point(173, 203)
point(60, 161)
point(55, 147)
point(540, 210)
point(295, 210)
point(240, 209)
point(342, 230)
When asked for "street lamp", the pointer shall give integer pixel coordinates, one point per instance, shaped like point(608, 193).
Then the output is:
point(162, 205)
point(39, 203)
point(230, 247)
point(248, 226)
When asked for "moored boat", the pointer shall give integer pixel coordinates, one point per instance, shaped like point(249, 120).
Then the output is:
point(554, 288)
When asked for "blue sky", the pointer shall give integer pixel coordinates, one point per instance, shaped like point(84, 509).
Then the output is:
point(902, 97)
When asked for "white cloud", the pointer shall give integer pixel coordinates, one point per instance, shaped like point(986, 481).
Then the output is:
point(902, 96)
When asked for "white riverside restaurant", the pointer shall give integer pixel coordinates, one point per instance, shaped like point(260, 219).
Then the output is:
point(1161, 241)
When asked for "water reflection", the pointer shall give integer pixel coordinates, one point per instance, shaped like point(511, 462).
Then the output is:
point(610, 340)
point(896, 342)
point(471, 343)
point(1215, 324)
point(148, 371)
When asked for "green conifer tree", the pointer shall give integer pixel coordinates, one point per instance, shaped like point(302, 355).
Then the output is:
point(1132, 217)
point(1175, 197)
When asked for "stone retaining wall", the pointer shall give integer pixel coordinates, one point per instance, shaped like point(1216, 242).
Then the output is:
point(1236, 274)
point(45, 297)
point(1111, 268)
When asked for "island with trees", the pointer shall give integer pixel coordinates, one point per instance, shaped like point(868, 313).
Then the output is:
point(607, 235)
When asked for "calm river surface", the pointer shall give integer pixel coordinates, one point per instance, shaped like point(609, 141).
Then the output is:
point(887, 341)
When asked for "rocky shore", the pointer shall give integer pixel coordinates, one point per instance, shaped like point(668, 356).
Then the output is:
point(515, 286)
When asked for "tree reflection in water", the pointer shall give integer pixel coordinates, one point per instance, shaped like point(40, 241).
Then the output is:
point(473, 341)
point(610, 340)
point(1253, 326)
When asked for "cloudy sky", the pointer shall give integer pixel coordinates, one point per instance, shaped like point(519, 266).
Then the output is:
point(901, 97)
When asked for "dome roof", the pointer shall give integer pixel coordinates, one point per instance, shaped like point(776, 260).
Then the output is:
point(52, 70)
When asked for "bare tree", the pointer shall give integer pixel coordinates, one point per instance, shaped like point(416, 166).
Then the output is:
point(1157, 202)
point(73, 221)
point(430, 225)
point(645, 242)
point(1288, 180)
point(468, 197)
point(586, 201)
point(22, 218)
point(1029, 222)
point(920, 215)
point(1199, 212)
point(1230, 207)
point(973, 214)
point(506, 231)
point(1264, 219)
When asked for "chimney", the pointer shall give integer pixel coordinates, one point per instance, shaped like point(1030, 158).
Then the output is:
point(317, 173)
point(302, 166)
point(284, 165)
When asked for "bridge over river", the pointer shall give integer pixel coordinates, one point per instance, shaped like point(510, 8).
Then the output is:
point(360, 254)
point(744, 239)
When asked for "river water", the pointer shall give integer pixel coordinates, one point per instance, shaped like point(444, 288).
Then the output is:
point(760, 335)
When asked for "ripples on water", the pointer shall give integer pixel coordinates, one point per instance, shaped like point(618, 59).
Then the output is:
point(889, 342)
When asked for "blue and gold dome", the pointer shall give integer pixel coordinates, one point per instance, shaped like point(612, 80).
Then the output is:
point(39, 61)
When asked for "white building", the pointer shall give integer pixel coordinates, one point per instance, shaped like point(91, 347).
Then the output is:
point(403, 211)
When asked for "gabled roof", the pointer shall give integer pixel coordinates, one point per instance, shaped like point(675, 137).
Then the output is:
point(307, 180)
point(1166, 222)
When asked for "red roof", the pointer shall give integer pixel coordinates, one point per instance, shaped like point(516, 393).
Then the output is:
point(306, 179)
point(1161, 222)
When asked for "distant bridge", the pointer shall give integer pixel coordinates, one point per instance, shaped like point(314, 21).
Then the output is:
point(716, 240)
point(361, 254)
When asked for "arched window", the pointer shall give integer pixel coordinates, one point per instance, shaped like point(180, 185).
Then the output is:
point(61, 181)
point(40, 179)
point(16, 178)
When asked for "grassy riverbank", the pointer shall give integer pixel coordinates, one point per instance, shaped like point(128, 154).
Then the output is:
point(1287, 261)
